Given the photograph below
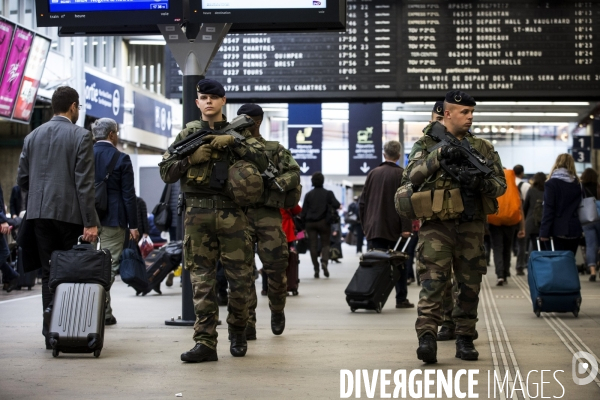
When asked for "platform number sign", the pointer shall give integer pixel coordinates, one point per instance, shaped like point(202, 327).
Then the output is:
point(582, 149)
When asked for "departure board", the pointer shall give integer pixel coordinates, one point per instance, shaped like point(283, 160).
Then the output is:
point(419, 49)
point(492, 49)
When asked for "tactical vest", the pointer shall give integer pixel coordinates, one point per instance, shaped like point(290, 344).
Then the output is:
point(439, 197)
point(223, 173)
point(275, 197)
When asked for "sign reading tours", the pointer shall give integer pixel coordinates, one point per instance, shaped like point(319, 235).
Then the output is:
point(103, 99)
point(145, 108)
point(305, 130)
point(365, 137)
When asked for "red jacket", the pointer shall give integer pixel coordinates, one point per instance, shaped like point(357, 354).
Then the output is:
point(287, 223)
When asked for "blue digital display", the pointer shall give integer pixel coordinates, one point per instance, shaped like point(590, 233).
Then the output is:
point(106, 5)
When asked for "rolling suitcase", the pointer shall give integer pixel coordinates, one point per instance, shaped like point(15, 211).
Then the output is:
point(77, 322)
point(375, 278)
point(159, 263)
point(26, 279)
point(554, 281)
point(292, 273)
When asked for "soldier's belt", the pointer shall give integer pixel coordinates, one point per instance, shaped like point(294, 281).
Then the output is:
point(209, 203)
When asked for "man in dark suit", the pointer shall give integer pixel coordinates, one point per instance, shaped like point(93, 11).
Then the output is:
point(382, 226)
point(121, 214)
point(56, 169)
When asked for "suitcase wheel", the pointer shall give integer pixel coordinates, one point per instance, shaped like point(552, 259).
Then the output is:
point(28, 287)
point(352, 309)
point(294, 293)
point(576, 313)
point(537, 313)
point(97, 353)
point(378, 309)
point(54, 353)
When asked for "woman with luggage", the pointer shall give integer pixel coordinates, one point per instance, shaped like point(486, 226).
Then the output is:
point(533, 208)
point(591, 231)
point(562, 196)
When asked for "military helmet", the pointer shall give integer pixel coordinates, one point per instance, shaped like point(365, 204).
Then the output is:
point(244, 183)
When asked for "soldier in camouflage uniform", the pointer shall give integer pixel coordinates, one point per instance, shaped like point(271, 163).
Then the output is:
point(451, 240)
point(265, 228)
point(215, 227)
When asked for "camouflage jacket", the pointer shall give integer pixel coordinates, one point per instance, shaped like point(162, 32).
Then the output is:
point(425, 173)
point(195, 178)
point(289, 171)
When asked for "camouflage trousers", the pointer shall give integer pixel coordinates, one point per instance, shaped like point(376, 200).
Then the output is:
point(210, 235)
point(448, 299)
point(445, 247)
point(266, 232)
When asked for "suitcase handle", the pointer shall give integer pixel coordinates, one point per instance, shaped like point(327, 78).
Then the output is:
point(80, 238)
point(551, 243)
point(405, 244)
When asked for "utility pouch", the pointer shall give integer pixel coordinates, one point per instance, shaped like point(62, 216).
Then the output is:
point(455, 202)
point(438, 200)
point(218, 175)
point(422, 204)
point(198, 173)
point(489, 205)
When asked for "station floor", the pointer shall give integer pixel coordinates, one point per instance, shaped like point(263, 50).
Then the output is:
point(140, 359)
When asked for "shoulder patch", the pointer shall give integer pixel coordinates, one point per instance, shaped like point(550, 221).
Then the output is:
point(418, 154)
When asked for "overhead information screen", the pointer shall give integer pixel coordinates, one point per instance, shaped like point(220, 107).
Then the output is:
point(513, 48)
point(264, 4)
point(419, 49)
point(360, 62)
point(110, 5)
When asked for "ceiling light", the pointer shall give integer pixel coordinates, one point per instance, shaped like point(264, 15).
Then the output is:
point(477, 130)
point(503, 130)
point(494, 129)
point(148, 42)
point(486, 130)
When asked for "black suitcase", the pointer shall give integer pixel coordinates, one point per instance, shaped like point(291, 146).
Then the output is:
point(373, 281)
point(292, 273)
point(26, 279)
point(77, 322)
point(160, 262)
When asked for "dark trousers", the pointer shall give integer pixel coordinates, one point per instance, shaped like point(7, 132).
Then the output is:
point(562, 244)
point(53, 235)
point(314, 230)
point(401, 286)
point(502, 239)
point(360, 237)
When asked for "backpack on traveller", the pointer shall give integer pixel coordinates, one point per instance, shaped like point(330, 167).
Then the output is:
point(509, 204)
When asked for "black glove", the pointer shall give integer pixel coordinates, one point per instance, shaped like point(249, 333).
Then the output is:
point(452, 154)
point(469, 181)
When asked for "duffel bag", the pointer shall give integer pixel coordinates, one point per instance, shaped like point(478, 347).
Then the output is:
point(82, 264)
point(133, 268)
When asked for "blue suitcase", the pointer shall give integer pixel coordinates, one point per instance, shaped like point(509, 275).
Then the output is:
point(554, 282)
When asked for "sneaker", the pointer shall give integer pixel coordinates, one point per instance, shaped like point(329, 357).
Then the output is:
point(13, 283)
point(520, 272)
point(405, 304)
point(169, 281)
point(110, 321)
point(500, 282)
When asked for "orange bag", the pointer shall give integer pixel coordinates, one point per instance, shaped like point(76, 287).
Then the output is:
point(509, 204)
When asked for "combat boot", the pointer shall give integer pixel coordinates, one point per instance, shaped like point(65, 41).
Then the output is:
point(239, 345)
point(427, 350)
point(200, 353)
point(465, 349)
point(250, 332)
point(277, 322)
point(445, 333)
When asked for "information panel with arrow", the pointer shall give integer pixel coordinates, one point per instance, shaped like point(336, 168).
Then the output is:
point(365, 137)
point(305, 130)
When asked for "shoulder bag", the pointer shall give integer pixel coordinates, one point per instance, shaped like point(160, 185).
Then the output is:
point(162, 211)
point(101, 189)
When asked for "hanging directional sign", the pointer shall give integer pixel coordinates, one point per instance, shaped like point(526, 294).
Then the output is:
point(305, 130)
point(365, 136)
point(145, 107)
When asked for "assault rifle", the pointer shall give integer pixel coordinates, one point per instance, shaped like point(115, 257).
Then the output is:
point(270, 174)
point(187, 146)
point(474, 163)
